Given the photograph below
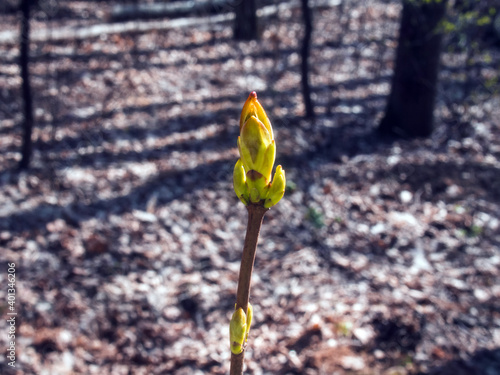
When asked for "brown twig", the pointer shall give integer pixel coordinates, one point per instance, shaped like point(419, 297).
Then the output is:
point(256, 214)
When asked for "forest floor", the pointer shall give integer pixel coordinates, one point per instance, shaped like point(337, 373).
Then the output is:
point(382, 259)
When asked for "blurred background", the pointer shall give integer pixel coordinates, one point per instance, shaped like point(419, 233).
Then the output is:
point(118, 128)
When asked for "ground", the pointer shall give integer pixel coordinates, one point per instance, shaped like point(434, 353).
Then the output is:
point(382, 258)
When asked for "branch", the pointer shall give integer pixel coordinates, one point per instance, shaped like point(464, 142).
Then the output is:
point(256, 214)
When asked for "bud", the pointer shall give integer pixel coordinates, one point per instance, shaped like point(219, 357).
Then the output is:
point(252, 107)
point(252, 173)
point(249, 320)
point(239, 328)
point(277, 189)
point(238, 331)
point(240, 182)
point(257, 149)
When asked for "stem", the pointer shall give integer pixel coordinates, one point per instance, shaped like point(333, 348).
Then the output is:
point(255, 217)
point(237, 363)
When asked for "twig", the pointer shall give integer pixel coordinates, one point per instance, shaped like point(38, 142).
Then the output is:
point(256, 214)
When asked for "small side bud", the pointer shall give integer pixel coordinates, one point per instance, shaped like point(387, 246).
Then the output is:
point(238, 331)
point(239, 182)
point(258, 186)
point(249, 320)
point(277, 189)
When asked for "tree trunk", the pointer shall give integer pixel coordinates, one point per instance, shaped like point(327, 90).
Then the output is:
point(410, 107)
point(306, 47)
point(245, 23)
point(26, 88)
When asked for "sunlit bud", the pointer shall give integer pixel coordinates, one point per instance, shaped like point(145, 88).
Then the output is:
point(257, 154)
point(252, 107)
point(258, 186)
point(239, 182)
point(249, 319)
point(238, 331)
point(257, 148)
point(277, 189)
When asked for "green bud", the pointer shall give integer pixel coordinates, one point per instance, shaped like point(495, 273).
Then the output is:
point(239, 328)
point(258, 186)
point(257, 149)
point(238, 331)
point(249, 320)
point(252, 173)
point(239, 182)
point(252, 107)
point(277, 189)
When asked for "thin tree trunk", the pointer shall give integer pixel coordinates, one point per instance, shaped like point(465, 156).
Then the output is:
point(245, 23)
point(411, 102)
point(306, 47)
point(27, 146)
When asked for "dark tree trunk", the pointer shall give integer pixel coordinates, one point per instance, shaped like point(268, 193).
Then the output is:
point(245, 23)
point(410, 106)
point(26, 88)
point(306, 47)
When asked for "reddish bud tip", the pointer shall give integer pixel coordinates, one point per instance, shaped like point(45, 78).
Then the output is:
point(253, 94)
